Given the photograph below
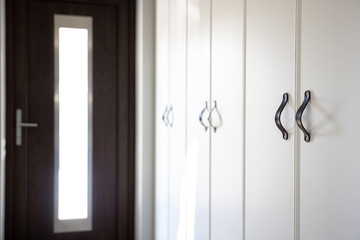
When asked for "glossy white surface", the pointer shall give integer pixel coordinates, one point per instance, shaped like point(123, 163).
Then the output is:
point(270, 72)
point(162, 132)
point(177, 99)
point(329, 164)
point(198, 91)
point(227, 145)
point(254, 185)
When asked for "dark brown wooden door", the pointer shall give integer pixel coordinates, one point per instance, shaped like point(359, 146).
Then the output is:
point(30, 211)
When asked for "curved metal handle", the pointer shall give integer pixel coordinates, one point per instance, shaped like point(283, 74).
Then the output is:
point(299, 114)
point(278, 116)
point(201, 116)
point(164, 116)
point(209, 118)
point(167, 116)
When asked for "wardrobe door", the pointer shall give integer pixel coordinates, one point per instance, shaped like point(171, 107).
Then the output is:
point(197, 138)
point(227, 143)
point(270, 72)
point(177, 120)
point(330, 162)
point(162, 131)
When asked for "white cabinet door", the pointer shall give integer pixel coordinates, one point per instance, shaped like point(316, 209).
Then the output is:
point(330, 163)
point(270, 72)
point(198, 91)
point(162, 131)
point(177, 118)
point(227, 144)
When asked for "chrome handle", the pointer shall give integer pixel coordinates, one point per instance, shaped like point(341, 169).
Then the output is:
point(27, 125)
point(201, 116)
point(171, 110)
point(164, 116)
point(20, 125)
point(299, 114)
point(278, 116)
point(209, 118)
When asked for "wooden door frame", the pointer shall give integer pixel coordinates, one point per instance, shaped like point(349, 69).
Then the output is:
point(16, 69)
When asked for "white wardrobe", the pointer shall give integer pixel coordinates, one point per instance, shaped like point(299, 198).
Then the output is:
point(225, 69)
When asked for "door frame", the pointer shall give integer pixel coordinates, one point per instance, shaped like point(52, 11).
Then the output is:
point(2, 118)
point(16, 69)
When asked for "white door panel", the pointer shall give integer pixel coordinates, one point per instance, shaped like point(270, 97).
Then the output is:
point(329, 164)
point(162, 131)
point(177, 100)
point(227, 145)
point(270, 72)
point(198, 91)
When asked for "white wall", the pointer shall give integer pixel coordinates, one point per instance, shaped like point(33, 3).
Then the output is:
point(2, 117)
point(145, 82)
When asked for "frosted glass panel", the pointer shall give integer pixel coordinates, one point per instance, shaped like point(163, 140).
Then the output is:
point(73, 123)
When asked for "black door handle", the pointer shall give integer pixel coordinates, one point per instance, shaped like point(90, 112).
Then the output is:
point(299, 114)
point(278, 115)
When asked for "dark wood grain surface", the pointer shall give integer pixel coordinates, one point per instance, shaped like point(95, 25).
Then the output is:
point(30, 86)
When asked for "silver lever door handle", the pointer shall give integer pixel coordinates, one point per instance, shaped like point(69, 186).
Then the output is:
point(164, 116)
point(171, 110)
point(201, 116)
point(20, 125)
point(209, 118)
